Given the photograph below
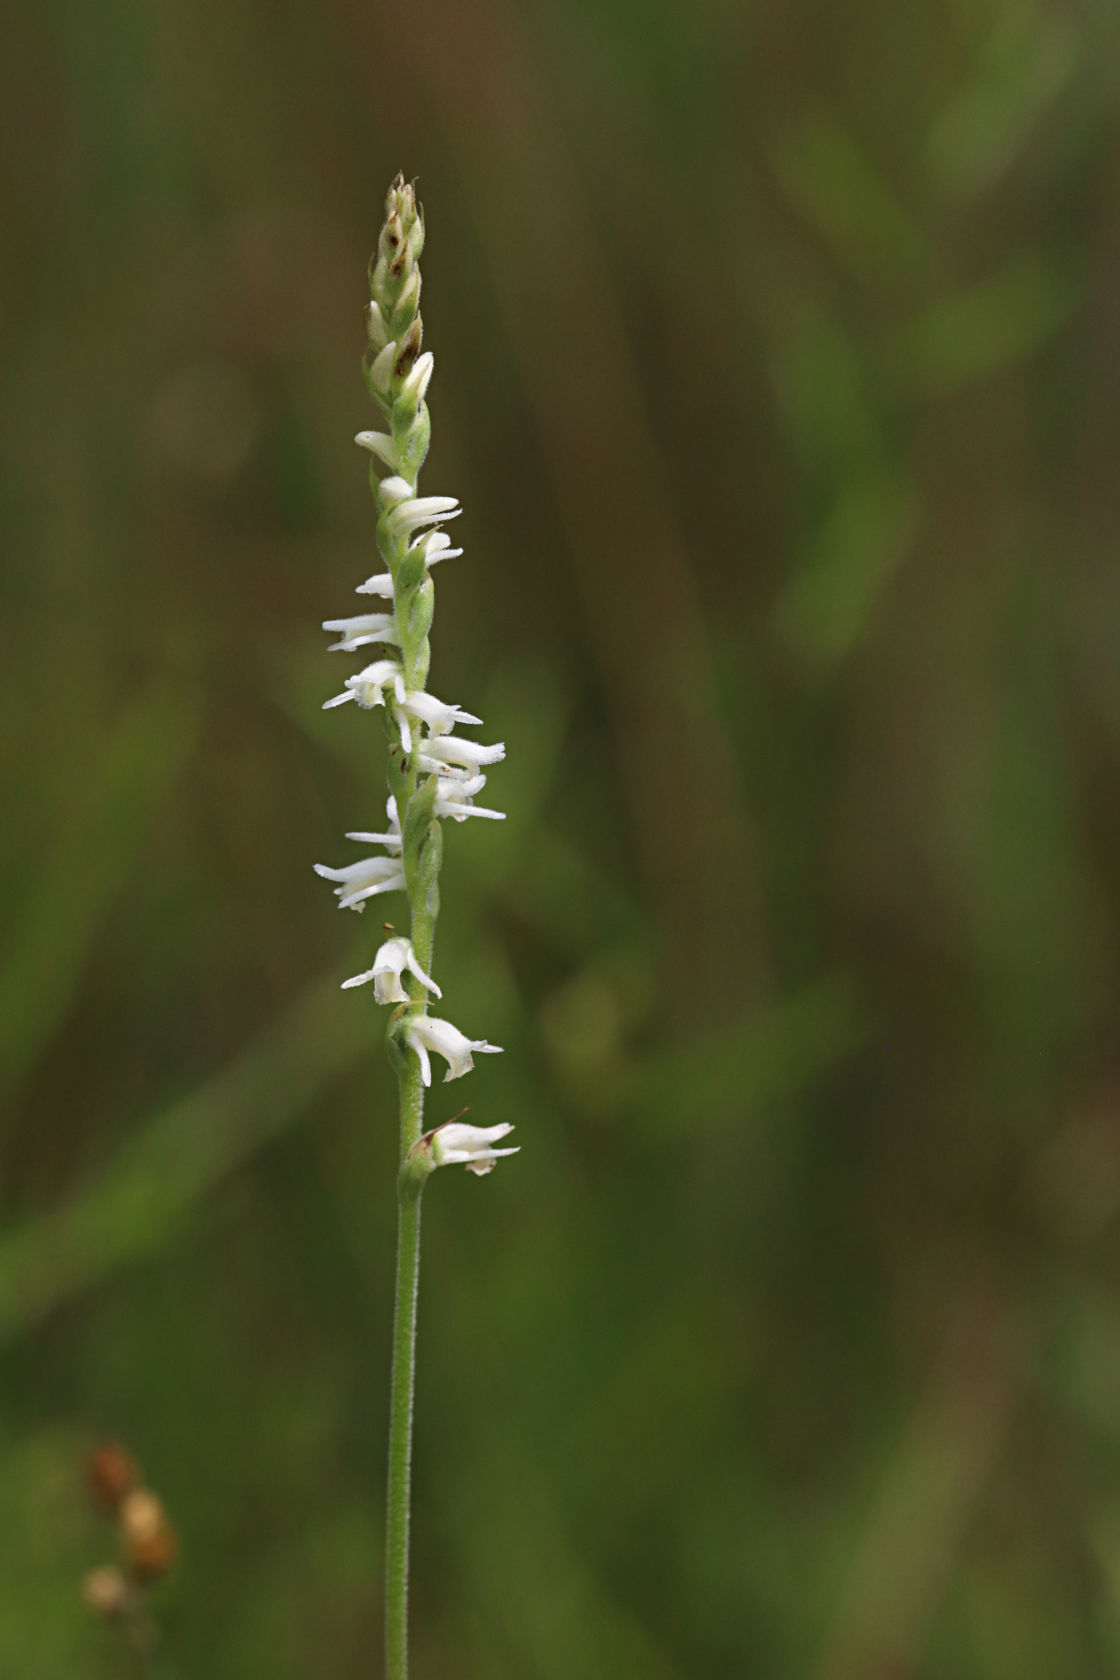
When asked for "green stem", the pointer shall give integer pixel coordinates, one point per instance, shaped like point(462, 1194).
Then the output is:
point(400, 1441)
point(403, 1379)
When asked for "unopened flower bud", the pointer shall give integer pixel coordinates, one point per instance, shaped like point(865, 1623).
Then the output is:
point(111, 1473)
point(376, 329)
point(381, 368)
point(106, 1591)
point(150, 1543)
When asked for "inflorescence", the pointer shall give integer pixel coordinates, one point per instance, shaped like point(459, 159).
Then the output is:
point(433, 772)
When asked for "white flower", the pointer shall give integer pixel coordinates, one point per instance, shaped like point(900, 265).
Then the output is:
point(411, 512)
point(381, 445)
point(442, 752)
point(437, 714)
point(368, 686)
point(416, 385)
point(425, 1032)
point(366, 627)
point(388, 966)
point(455, 1143)
point(455, 798)
point(362, 880)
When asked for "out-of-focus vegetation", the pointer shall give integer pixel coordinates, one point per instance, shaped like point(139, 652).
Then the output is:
point(778, 368)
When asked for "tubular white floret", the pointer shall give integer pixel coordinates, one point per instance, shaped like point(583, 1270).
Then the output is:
point(393, 958)
point(426, 709)
point(362, 629)
point(364, 879)
point(411, 514)
point(455, 798)
point(454, 1144)
point(442, 754)
point(368, 686)
point(426, 1032)
point(416, 385)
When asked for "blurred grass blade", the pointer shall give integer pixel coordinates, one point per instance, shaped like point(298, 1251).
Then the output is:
point(90, 860)
point(156, 1179)
point(990, 326)
point(829, 604)
point(769, 1056)
point(837, 188)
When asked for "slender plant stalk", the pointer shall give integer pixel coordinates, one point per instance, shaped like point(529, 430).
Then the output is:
point(398, 1503)
point(399, 1497)
point(433, 775)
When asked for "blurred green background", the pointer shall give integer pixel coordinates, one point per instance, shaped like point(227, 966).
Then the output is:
point(778, 369)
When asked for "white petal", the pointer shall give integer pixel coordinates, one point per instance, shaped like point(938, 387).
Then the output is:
point(469, 753)
point(387, 988)
point(380, 584)
point(418, 380)
point(414, 967)
point(437, 547)
point(361, 630)
point(381, 445)
point(393, 490)
point(421, 510)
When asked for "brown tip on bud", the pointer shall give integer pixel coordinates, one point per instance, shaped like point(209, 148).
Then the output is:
point(106, 1591)
point(410, 349)
point(150, 1543)
point(111, 1473)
